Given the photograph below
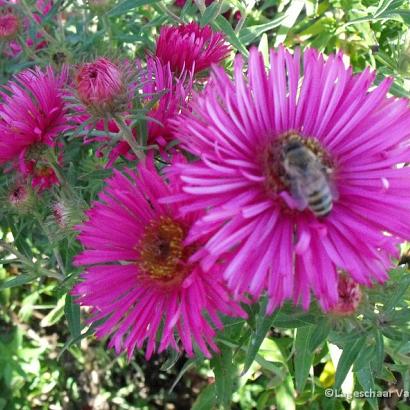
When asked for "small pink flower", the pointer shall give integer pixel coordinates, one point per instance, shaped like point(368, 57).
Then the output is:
point(350, 296)
point(101, 86)
point(190, 47)
point(32, 115)
point(139, 280)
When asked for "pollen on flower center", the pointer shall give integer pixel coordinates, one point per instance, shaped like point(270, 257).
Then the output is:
point(277, 179)
point(162, 254)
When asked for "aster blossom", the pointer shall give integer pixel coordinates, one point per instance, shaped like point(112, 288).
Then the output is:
point(190, 47)
point(138, 277)
point(242, 131)
point(32, 115)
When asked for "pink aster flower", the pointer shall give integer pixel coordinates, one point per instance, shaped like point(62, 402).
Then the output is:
point(32, 115)
point(102, 87)
point(139, 277)
point(300, 175)
point(190, 47)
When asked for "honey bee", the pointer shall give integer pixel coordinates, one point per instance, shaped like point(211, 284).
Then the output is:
point(307, 177)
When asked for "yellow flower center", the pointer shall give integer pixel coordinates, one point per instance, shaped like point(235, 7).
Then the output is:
point(162, 254)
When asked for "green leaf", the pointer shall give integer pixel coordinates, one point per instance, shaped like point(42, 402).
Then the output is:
point(222, 24)
point(206, 399)
point(303, 355)
point(128, 5)
point(210, 14)
point(366, 379)
point(320, 334)
point(290, 17)
point(251, 33)
point(349, 355)
point(296, 319)
point(72, 313)
point(17, 281)
point(378, 358)
point(263, 324)
point(285, 394)
point(224, 371)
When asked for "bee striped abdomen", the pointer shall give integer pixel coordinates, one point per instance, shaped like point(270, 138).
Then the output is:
point(320, 201)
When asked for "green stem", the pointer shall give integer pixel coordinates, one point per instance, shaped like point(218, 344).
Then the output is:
point(128, 137)
point(56, 251)
point(167, 11)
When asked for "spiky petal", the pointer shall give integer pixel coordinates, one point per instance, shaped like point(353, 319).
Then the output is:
point(190, 47)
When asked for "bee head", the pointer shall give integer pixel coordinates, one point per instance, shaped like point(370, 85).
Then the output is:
point(292, 145)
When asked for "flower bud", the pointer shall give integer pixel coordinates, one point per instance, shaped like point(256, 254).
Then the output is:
point(350, 296)
point(102, 87)
point(9, 24)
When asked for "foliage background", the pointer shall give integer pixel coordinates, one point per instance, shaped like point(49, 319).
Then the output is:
point(49, 358)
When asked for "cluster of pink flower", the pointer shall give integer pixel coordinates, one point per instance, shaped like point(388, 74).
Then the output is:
point(296, 188)
point(13, 24)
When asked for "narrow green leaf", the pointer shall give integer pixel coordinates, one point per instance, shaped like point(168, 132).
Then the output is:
point(128, 5)
point(251, 33)
point(206, 399)
point(378, 359)
point(349, 355)
point(172, 358)
point(210, 14)
point(303, 355)
point(77, 340)
point(290, 17)
point(72, 313)
point(263, 324)
point(17, 281)
point(224, 371)
point(320, 334)
point(366, 379)
point(222, 24)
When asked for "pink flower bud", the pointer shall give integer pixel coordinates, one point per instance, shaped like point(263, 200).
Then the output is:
point(350, 296)
point(101, 87)
point(9, 24)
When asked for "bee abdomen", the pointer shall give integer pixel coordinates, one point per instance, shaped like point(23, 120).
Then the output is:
point(320, 202)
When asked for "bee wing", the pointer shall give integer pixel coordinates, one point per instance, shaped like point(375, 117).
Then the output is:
point(296, 190)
